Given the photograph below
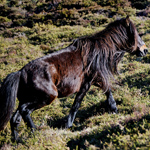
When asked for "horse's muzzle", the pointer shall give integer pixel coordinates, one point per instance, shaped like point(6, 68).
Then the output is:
point(142, 51)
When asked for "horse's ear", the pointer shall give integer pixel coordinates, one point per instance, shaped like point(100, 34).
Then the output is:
point(127, 20)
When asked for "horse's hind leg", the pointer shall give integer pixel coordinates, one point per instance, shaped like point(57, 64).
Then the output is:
point(44, 96)
point(110, 102)
point(14, 122)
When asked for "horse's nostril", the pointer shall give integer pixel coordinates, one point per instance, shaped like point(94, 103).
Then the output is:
point(145, 51)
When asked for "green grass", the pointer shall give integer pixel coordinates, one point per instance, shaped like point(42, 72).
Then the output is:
point(94, 128)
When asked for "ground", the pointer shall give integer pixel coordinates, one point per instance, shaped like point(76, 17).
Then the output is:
point(29, 30)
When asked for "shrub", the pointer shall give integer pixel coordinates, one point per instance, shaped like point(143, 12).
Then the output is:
point(4, 10)
point(113, 3)
point(4, 19)
point(140, 4)
point(8, 34)
point(78, 4)
point(19, 22)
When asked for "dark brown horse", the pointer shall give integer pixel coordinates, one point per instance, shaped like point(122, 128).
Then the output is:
point(90, 60)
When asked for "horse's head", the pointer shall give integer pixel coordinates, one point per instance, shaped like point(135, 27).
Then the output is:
point(138, 46)
point(141, 48)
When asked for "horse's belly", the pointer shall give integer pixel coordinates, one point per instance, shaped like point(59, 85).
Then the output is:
point(69, 87)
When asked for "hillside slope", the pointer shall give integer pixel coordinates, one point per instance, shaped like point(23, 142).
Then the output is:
point(31, 29)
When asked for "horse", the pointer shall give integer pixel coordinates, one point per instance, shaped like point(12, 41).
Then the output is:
point(88, 60)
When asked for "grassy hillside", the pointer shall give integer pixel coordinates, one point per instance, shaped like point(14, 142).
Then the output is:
point(31, 29)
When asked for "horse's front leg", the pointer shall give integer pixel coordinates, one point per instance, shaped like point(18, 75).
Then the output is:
point(76, 104)
point(110, 102)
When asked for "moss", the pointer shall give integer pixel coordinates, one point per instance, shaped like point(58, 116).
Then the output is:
point(4, 19)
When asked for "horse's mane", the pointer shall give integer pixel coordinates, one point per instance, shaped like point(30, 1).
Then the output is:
point(103, 51)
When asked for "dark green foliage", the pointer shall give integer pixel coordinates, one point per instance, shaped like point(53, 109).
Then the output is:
point(140, 4)
point(62, 12)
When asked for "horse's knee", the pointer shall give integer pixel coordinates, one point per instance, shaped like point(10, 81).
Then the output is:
point(15, 119)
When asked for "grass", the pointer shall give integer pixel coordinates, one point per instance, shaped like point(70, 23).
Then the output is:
point(48, 29)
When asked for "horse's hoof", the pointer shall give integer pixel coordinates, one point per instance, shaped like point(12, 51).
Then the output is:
point(17, 140)
point(113, 111)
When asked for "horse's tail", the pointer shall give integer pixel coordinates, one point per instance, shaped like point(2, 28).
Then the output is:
point(8, 94)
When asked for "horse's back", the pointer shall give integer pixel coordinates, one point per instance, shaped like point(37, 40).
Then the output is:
point(60, 74)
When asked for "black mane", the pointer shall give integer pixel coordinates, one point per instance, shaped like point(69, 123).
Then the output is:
point(104, 50)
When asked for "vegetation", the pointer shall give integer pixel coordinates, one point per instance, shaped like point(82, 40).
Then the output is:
point(31, 29)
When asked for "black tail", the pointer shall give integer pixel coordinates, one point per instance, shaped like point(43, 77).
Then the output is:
point(8, 93)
